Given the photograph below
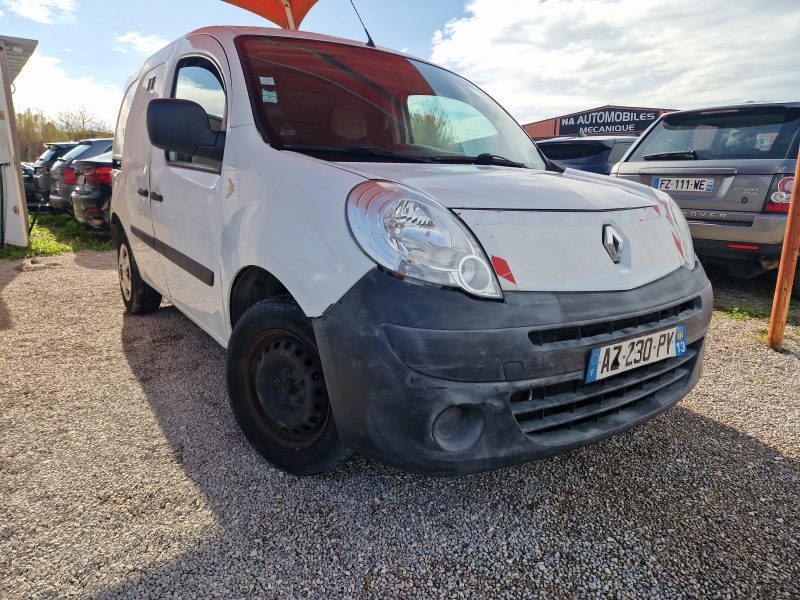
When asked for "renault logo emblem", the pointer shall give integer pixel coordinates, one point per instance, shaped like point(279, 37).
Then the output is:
point(613, 243)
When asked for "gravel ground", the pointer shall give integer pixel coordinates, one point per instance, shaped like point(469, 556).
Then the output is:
point(123, 475)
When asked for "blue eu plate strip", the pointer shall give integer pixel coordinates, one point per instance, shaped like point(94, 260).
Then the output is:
point(594, 362)
point(680, 340)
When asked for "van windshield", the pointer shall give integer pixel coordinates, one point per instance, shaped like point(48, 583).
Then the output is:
point(342, 103)
point(763, 132)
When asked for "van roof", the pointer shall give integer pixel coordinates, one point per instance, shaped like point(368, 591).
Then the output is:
point(231, 32)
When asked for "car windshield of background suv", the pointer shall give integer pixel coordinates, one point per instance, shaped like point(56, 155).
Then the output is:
point(722, 134)
point(320, 96)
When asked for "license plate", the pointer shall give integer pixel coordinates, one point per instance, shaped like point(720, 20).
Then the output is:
point(614, 359)
point(684, 184)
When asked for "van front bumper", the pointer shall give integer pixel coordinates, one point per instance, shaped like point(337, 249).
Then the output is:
point(434, 381)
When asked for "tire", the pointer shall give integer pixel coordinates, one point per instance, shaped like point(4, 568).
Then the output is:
point(796, 286)
point(277, 389)
point(139, 298)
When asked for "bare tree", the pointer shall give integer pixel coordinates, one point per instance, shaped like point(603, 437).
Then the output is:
point(35, 129)
point(80, 123)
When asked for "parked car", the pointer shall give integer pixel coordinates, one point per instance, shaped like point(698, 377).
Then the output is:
point(27, 179)
point(730, 169)
point(597, 154)
point(43, 164)
point(62, 172)
point(91, 198)
point(390, 265)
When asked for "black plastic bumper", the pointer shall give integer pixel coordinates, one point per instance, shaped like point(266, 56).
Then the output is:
point(434, 381)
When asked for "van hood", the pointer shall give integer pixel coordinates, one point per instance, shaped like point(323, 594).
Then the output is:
point(543, 231)
point(493, 187)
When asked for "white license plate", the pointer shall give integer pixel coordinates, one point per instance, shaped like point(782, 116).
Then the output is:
point(613, 359)
point(684, 184)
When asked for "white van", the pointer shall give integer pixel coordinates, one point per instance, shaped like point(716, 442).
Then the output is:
point(391, 264)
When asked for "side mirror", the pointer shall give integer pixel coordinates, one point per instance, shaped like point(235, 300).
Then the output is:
point(182, 126)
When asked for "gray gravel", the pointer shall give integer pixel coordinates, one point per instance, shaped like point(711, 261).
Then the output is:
point(123, 475)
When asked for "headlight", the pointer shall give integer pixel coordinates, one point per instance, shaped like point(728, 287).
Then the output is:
point(412, 235)
point(680, 226)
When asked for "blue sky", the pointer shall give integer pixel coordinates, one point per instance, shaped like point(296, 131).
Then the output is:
point(538, 58)
point(84, 35)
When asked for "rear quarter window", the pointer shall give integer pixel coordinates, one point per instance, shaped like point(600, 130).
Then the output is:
point(618, 151)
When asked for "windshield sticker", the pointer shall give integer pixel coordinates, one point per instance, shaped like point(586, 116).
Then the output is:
point(269, 96)
point(287, 130)
point(267, 80)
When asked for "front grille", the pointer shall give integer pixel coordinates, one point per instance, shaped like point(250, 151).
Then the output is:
point(597, 332)
point(572, 410)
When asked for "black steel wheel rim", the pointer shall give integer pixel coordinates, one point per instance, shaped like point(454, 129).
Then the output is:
point(287, 386)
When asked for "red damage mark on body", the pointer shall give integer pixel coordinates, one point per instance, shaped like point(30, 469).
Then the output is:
point(502, 269)
point(678, 245)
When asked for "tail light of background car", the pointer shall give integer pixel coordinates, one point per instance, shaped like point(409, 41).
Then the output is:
point(69, 176)
point(780, 194)
point(95, 175)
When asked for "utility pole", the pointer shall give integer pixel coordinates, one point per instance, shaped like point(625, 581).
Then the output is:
point(788, 267)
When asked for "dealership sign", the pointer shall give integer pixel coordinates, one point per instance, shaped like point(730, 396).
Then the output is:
point(607, 121)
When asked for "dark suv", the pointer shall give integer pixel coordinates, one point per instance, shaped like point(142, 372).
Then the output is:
point(41, 168)
point(62, 172)
point(596, 154)
point(731, 170)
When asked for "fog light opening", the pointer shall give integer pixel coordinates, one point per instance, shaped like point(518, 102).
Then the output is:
point(458, 427)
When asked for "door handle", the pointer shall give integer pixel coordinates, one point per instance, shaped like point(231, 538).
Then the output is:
point(142, 192)
point(156, 197)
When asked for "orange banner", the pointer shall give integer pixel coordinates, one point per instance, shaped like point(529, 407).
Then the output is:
point(286, 13)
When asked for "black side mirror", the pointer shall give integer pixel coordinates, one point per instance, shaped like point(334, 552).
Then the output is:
point(182, 126)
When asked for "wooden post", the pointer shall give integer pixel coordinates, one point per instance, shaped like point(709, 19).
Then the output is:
point(788, 267)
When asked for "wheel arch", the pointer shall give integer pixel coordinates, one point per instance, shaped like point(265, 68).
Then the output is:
point(251, 285)
point(117, 230)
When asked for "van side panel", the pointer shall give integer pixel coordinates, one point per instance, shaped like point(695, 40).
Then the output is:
point(287, 216)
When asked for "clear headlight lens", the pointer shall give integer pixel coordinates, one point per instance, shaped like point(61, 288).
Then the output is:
point(412, 235)
point(680, 227)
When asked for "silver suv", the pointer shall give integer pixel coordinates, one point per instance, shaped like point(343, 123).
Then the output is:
point(731, 170)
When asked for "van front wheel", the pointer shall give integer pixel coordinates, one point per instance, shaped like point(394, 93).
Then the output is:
point(277, 389)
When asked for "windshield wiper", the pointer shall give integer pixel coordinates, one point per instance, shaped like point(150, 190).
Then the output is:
point(480, 159)
point(356, 150)
point(680, 155)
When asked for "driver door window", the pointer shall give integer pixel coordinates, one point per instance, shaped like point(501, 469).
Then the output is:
point(198, 80)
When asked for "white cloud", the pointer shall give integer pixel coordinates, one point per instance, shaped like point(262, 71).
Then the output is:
point(137, 42)
point(543, 59)
point(42, 11)
point(43, 84)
